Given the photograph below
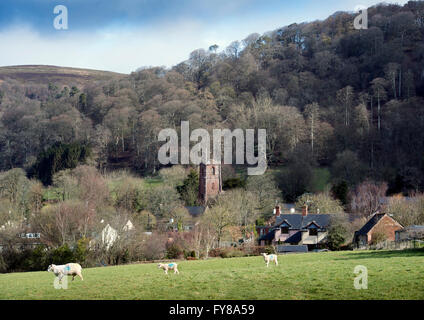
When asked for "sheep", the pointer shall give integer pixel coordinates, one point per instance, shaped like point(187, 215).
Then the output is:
point(70, 269)
point(270, 257)
point(169, 266)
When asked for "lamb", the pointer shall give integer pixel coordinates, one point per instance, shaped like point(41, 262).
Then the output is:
point(70, 269)
point(270, 257)
point(169, 266)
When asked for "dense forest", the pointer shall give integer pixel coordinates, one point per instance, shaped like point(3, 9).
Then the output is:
point(328, 95)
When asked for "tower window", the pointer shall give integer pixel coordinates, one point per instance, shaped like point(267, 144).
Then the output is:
point(213, 170)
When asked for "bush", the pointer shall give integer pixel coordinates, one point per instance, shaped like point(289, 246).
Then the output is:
point(270, 250)
point(378, 237)
point(154, 248)
point(254, 250)
point(229, 253)
point(336, 236)
point(81, 251)
point(3, 265)
point(61, 255)
point(38, 259)
point(191, 258)
point(174, 252)
point(189, 254)
point(234, 183)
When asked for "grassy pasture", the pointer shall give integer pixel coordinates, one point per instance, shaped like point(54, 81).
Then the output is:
point(391, 275)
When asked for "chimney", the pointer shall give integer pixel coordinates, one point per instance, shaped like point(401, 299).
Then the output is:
point(305, 210)
point(277, 211)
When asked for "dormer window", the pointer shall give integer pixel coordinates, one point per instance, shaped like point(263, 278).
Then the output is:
point(313, 231)
point(284, 230)
point(285, 227)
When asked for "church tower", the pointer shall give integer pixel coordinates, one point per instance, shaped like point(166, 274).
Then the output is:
point(210, 182)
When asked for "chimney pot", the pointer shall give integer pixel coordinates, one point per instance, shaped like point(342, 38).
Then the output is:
point(277, 211)
point(305, 210)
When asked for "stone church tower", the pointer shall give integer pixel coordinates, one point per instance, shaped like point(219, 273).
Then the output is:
point(210, 182)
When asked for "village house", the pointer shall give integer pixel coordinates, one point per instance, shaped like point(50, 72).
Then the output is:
point(379, 223)
point(309, 231)
point(108, 236)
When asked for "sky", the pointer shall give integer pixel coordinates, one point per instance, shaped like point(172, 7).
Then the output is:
point(123, 35)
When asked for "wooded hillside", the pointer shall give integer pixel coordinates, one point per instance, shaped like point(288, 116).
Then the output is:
point(328, 95)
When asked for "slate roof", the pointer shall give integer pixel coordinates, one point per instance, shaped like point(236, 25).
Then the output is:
point(412, 229)
point(370, 224)
point(294, 238)
point(196, 211)
point(417, 228)
point(297, 221)
point(269, 236)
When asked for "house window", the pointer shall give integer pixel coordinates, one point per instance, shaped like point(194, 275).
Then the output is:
point(313, 232)
point(285, 230)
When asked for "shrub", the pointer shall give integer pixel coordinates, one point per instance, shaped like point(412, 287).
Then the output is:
point(253, 250)
point(336, 236)
point(3, 265)
point(378, 237)
point(174, 252)
point(154, 248)
point(61, 255)
point(235, 253)
point(38, 259)
point(270, 250)
point(189, 254)
point(234, 183)
point(191, 258)
point(81, 251)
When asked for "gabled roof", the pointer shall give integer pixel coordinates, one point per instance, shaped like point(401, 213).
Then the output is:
point(285, 222)
point(313, 223)
point(370, 224)
point(297, 221)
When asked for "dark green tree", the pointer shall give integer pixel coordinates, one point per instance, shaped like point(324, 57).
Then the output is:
point(189, 189)
point(59, 157)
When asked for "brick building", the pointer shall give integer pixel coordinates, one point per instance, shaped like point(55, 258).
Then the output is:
point(379, 223)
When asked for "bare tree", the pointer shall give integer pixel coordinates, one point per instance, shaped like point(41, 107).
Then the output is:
point(366, 199)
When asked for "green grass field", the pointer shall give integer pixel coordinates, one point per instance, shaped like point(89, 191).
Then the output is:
point(391, 275)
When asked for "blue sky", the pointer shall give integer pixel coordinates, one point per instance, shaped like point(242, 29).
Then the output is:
point(122, 35)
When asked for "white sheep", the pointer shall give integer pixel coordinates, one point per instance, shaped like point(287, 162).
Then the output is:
point(270, 257)
point(169, 266)
point(70, 269)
